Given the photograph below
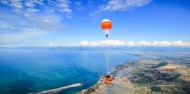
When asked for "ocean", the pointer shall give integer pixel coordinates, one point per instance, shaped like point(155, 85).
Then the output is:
point(25, 69)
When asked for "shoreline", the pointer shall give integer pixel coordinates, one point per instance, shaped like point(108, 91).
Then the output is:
point(121, 73)
point(150, 73)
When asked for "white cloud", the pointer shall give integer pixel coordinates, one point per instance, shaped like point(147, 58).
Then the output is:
point(115, 5)
point(79, 6)
point(5, 1)
point(174, 43)
point(144, 43)
point(29, 3)
point(32, 10)
point(17, 4)
point(33, 3)
point(30, 16)
point(112, 42)
point(48, 22)
point(86, 43)
point(130, 43)
point(158, 43)
point(20, 36)
point(6, 26)
point(62, 6)
point(133, 43)
point(101, 43)
point(120, 5)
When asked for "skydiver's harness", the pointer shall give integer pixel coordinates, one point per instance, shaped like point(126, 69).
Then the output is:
point(107, 79)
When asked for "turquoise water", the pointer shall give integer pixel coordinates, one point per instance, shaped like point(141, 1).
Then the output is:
point(32, 70)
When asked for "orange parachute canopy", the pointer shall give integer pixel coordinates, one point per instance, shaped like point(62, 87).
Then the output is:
point(106, 25)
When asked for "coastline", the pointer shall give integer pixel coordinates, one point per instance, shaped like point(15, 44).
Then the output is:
point(121, 82)
point(151, 73)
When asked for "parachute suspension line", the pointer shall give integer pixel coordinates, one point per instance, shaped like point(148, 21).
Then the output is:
point(106, 25)
point(107, 54)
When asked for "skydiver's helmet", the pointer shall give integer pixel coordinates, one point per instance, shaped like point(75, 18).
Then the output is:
point(108, 76)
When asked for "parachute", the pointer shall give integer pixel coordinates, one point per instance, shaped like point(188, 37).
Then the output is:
point(106, 25)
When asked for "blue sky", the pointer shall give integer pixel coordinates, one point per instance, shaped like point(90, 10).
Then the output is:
point(77, 22)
